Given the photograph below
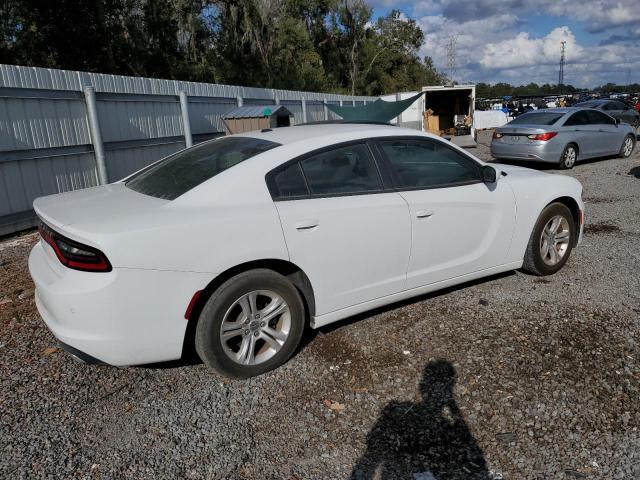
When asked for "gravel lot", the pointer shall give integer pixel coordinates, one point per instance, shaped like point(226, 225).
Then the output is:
point(512, 377)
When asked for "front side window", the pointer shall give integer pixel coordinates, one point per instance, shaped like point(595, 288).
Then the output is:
point(344, 170)
point(425, 164)
point(179, 173)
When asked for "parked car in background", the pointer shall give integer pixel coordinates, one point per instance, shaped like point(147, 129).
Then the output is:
point(563, 136)
point(248, 239)
point(616, 109)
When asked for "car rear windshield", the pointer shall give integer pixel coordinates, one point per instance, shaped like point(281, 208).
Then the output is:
point(179, 173)
point(542, 118)
point(588, 104)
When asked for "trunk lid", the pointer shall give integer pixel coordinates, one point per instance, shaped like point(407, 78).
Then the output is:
point(103, 209)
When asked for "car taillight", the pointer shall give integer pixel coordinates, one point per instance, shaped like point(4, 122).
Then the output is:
point(542, 136)
point(73, 254)
point(497, 134)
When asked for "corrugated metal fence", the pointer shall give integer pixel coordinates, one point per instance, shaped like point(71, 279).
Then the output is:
point(58, 128)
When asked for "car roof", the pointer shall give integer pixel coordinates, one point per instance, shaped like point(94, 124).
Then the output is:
point(552, 110)
point(299, 133)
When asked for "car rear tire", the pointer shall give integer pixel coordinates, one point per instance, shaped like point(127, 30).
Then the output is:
point(252, 324)
point(627, 146)
point(568, 157)
point(551, 241)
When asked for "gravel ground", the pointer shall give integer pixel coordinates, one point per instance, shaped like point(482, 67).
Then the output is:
point(512, 377)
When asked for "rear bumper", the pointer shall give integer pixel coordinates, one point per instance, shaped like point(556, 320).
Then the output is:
point(526, 151)
point(122, 317)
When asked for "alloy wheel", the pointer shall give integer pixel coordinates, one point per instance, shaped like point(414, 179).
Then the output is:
point(554, 240)
point(569, 157)
point(255, 327)
point(628, 146)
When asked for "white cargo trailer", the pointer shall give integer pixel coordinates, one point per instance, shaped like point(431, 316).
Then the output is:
point(448, 103)
point(452, 104)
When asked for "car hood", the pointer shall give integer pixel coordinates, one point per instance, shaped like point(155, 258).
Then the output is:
point(514, 171)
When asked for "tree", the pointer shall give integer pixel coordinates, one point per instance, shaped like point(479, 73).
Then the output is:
point(320, 45)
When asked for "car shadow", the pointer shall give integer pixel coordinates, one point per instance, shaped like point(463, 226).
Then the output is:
point(547, 165)
point(190, 356)
point(635, 171)
point(428, 439)
point(399, 304)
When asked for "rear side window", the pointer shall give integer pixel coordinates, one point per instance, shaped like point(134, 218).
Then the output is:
point(543, 118)
point(289, 183)
point(179, 173)
point(343, 170)
point(423, 164)
point(578, 118)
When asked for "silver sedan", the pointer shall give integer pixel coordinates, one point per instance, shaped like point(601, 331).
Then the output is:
point(562, 136)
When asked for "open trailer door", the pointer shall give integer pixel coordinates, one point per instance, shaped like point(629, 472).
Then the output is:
point(448, 112)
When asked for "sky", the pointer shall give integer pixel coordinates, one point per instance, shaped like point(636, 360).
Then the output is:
point(518, 41)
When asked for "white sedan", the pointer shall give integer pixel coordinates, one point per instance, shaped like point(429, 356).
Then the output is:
point(239, 243)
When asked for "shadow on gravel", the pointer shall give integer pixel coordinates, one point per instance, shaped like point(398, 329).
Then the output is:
point(427, 440)
point(547, 165)
point(311, 333)
point(635, 171)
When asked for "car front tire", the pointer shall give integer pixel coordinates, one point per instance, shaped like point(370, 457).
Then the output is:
point(251, 324)
point(551, 241)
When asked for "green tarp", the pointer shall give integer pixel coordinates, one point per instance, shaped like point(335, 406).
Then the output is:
point(378, 111)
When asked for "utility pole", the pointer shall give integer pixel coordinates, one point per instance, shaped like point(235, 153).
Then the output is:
point(451, 57)
point(561, 73)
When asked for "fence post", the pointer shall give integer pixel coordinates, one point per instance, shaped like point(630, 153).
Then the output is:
point(239, 100)
point(341, 103)
point(353, 102)
point(277, 100)
point(304, 110)
point(326, 110)
point(399, 117)
point(186, 123)
point(96, 137)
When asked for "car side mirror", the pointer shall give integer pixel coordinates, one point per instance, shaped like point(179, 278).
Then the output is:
point(488, 174)
point(617, 121)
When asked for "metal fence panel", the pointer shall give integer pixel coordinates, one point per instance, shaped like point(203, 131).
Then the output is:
point(45, 135)
point(27, 123)
point(131, 120)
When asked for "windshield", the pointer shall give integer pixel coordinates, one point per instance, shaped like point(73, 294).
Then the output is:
point(542, 118)
point(179, 173)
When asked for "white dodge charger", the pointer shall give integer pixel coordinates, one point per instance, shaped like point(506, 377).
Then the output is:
point(247, 239)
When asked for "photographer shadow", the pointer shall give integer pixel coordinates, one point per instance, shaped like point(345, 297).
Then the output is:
point(426, 440)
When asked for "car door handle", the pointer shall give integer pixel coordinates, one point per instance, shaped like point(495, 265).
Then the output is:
point(424, 213)
point(307, 224)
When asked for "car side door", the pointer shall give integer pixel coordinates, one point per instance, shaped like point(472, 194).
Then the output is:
point(460, 224)
point(343, 227)
point(579, 130)
point(609, 134)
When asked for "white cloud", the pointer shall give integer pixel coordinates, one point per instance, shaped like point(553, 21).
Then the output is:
point(522, 50)
point(497, 47)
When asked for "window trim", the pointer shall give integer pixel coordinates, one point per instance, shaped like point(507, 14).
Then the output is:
point(397, 184)
point(385, 186)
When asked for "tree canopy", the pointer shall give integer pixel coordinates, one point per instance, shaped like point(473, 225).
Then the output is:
point(320, 45)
